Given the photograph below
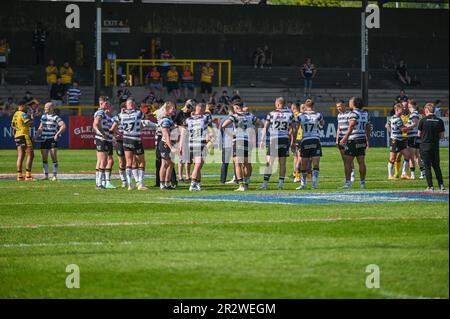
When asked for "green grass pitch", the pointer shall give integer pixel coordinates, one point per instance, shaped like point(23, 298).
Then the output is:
point(142, 245)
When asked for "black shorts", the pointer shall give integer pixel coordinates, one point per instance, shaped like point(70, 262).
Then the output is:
point(396, 146)
point(110, 147)
point(49, 144)
point(242, 149)
point(310, 148)
point(355, 148)
point(413, 142)
point(103, 146)
point(119, 148)
point(198, 151)
point(164, 151)
point(278, 147)
point(205, 87)
point(133, 146)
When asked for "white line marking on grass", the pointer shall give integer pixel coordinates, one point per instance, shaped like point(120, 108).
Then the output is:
point(73, 243)
point(281, 221)
point(402, 296)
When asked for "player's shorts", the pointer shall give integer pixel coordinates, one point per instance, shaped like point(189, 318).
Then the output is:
point(102, 146)
point(23, 141)
point(242, 149)
point(310, 148)
point(413, 142)
point(48, 144)
point(110, 148)
point(355, 148)
point(133, 146)
point(119, 148)
point(197, 151)
point(164, 151)
point(278, 147)
point(205, 88)
point(396, 146)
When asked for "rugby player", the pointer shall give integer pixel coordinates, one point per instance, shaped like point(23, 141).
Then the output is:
point(413, 138)
point(244, 139)
point(342, 123)
point(198, 137)
point(110, 159)
point(310, 148)
point(50, 129)
point(398, 142)
point(295, 109)
point(131, 121)
point(279, 125)
point(356, 141)
point(21, 123)
point(180, 120)
point(101, 127)
point(167, 145)
point(118, 136)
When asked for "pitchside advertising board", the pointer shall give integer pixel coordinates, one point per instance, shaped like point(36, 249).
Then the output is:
point(80, 134)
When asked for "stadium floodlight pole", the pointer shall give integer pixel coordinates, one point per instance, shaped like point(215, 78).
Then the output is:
point(364, 55)
point(98, 50)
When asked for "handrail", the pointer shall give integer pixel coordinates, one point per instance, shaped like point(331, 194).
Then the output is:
point(385, 109)
point(154, 62)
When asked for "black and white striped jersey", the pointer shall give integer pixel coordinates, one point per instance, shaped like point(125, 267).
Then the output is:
point(362, 120)
point(342, 119)
point(198, 130)
point(396, 125)
point(414, 131)
point(106, 123)
point(50, 125)
point(131, 124)
point(168, 123)
point(280, 123)
point(310, 123)
point(244, 125)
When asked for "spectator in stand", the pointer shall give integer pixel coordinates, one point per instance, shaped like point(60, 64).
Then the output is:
point(401, 71)
point(10, 106)
point(73, 96)
point(34, 108)
point(224, 103)
point(39, 40)
point(154, 80)
point(206, 80)
point(438, 108)
point(212, 98)
point(259, 58)
point(150, 98)
point(308, 73)
point(402, 97)
point(28, 98)
point(52, 73)
point(187, 83)
point(4, 55)
point(66, 74)
point(165, 66)
point(268, 54)
point(57, 92)
point(173, 77)
point(235, 97)
point(123, 93)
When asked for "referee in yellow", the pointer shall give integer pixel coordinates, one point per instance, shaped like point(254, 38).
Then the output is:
point(21, 123)
point(431, 130)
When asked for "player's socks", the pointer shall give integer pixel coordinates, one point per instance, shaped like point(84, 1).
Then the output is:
point(352, 176)
point(390, 170)
point(129, 177)
point(397, 167)
point(123, 175)
point(45, 167)
point(55, 168)
point(304, 178)
point(28, 174)
point(413, 172)
point(135, 175)
point(315, 177)
point(108, 175)
point(362, 184)
point(98, 182)
point(103, 177)
point(281, 182)
point(405, 167)
point(141, 172)
point(19, 175)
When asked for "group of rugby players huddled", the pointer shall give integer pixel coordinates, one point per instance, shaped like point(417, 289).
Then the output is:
point(188, 132)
